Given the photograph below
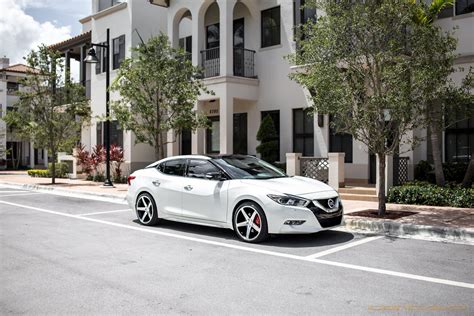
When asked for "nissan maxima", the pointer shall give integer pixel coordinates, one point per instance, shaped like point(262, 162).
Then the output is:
point(238, 192)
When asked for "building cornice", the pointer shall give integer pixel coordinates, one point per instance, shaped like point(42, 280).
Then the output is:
point(105, 12)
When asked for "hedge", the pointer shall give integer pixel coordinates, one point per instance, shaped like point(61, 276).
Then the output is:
point(429, 194)
point(62, 170)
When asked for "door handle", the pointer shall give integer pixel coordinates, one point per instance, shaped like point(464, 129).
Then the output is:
point(188, 188)
point(156, 183)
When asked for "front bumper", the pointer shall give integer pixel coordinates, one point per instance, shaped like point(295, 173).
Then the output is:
point(315, 219)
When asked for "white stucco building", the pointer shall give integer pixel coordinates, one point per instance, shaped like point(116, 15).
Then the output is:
point(14, 151)
point(242, 44)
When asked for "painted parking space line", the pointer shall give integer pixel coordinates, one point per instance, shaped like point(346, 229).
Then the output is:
point(8, 191)
point(18, 194)
point(255, 250)
point(343, 247)
point(106, 212)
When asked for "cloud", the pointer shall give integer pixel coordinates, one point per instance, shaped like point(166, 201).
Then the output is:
point(20, 32)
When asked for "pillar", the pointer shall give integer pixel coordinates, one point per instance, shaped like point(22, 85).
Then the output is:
point(226, 15)
point(293, 164)
point(226, 117)
point(198, 35)
point(45, 160)
point(336, 170)
point(32, 155)
point(172, 148)
point(197, 137)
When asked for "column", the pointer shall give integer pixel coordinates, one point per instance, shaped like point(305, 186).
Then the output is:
point(45, 160)
point(293, 164)
point(226, 118)
point(32, 155)
point(197, 137)
point(336, 170)
point(82, 66)
point(197, 34)
point(173, 35)
point(67, 67)
point(172, 148)
point(226, 12)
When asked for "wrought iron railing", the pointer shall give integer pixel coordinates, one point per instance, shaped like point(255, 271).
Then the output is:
point(400, 170)
point(244, 62)
point(211, 62)
point(315, 168)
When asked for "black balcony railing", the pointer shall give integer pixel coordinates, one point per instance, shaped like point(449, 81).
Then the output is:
point(244, 62)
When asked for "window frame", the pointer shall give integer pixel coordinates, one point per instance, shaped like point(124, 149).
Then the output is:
point(303, 135)
point(209, 135)
point(120, 54)
point(270, 43)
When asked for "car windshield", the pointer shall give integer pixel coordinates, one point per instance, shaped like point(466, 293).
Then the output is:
point(247, 167)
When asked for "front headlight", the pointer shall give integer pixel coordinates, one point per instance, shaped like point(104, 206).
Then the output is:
point(289, 200)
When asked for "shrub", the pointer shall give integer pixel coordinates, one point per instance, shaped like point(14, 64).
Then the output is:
point(268, 137)
point(453, 171)
point(38, 173)
point(62, 169)
point(423, 193)
point(423, 171)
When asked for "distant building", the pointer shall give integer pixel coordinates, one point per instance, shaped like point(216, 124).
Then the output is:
point(15, 152)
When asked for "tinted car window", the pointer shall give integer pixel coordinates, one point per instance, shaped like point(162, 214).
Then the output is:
point(199, 168)
point(174, 167)
point(247, 167)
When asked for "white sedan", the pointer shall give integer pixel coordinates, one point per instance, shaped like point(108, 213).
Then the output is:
point(242, 193)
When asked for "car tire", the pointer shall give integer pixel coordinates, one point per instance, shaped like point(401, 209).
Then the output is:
point(250, 223)
point(146, 210)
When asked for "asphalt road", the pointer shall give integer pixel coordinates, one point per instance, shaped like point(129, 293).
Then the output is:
point(64, 255)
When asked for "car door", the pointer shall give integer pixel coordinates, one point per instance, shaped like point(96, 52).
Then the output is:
point(204, 198)
point(168, 187)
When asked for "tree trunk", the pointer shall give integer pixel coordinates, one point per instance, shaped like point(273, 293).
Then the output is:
point(381, 183)
point(469, 176)
point(435, 144)
point(53, 167)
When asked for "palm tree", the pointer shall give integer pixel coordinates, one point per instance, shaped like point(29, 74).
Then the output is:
point(426, 15)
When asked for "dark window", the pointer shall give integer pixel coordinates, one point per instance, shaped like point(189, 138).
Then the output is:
point(105, 4)
point(119, 51)
point(270, 28)
point(275, 115)
point(303, 132)
point(102, 57)
point(199, 168)
point(464, 6)
point(340, 143)
point(212, 36)
point(12, 87)
point(459, 140)
point(213, 136)
point(186, 142)
point(240, 133)
point(174, 167)
point(239, 33)
point(186, 44)
point(116, 134)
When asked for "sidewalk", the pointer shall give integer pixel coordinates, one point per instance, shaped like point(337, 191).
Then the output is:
point(444, 223)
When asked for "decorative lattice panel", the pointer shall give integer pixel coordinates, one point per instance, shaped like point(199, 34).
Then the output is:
point(400, 170)
point(316, 168)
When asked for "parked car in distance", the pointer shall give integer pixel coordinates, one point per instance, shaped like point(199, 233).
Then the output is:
point(238, 192)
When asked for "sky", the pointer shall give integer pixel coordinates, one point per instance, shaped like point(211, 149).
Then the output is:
point(24, 24)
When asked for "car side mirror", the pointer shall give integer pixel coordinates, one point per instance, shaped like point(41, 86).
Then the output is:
point(215, 176)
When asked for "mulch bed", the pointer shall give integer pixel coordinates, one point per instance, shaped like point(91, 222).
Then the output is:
point(388, 214)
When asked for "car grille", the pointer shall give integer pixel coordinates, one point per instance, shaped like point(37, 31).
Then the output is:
point(324, 218)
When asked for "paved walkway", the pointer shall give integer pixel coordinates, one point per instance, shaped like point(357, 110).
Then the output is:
point(446, 217)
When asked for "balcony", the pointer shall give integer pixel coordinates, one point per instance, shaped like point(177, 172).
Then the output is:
point(244, 62)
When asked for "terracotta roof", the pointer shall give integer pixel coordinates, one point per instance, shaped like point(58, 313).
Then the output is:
point(18, 68)
point(78, 39)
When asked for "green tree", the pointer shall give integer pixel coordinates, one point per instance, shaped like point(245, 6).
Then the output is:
point(268, 137)
point(159, 87)
point(449, 102)
point(369, 65)
point(51, 110)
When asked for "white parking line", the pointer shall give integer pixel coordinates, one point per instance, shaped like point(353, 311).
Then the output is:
point(255, 250)
point(26, 193)
point(343, 247)
point(17, 191)
point(97, 213)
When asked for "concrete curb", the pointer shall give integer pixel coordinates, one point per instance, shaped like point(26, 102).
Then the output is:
point(77, 193)
point(392, 228)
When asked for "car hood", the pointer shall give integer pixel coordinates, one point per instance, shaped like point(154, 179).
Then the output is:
point(290, 185)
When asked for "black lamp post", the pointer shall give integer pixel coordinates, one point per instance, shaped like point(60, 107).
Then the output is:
point(92, 59)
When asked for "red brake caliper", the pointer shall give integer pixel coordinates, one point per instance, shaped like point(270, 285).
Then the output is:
point(257, 220)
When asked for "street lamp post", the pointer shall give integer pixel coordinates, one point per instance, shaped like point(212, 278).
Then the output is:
point(92, 59)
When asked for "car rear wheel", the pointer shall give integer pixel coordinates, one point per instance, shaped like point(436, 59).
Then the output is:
point(146, 210)
point(250, 223)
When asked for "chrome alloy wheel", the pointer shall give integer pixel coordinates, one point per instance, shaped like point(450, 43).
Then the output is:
point(145, 209)
point(248, 222)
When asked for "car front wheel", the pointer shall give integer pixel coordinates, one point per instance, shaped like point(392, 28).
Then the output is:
point(250, 223)
point(146, 210)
